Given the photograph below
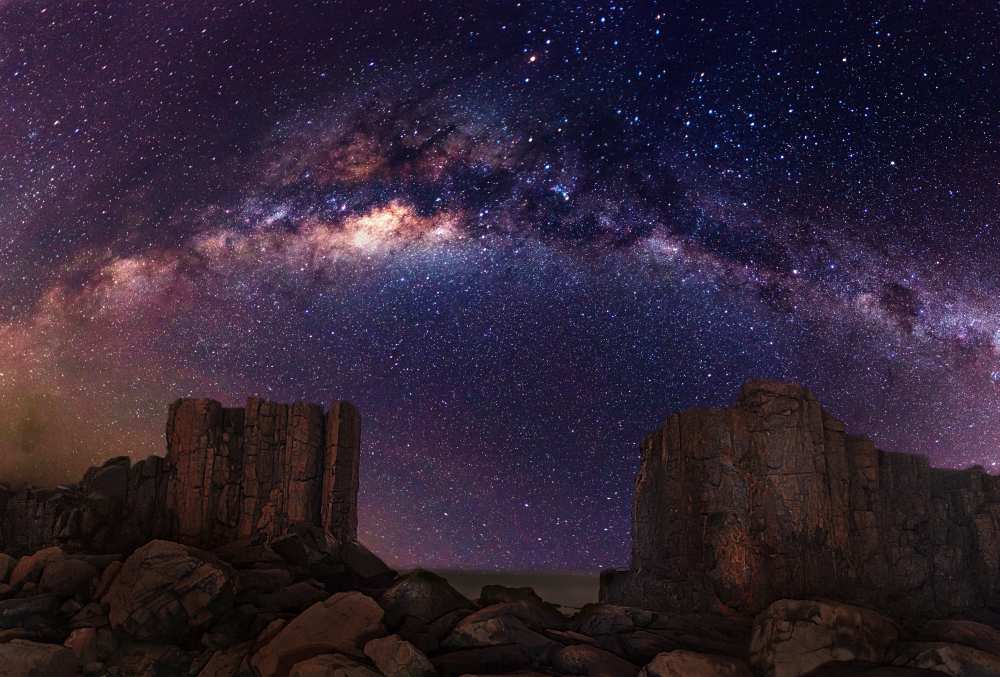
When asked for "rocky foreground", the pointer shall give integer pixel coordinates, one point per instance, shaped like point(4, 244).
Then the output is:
point(306, 605)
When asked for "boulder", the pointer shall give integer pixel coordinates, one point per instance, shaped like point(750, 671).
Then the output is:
point(423, 596)
point(609, 619)
point(639, 635)
point(29, 568)
point(166, 591)
point(264, 580)
point(343, 624)
point(794, 637)
point(331, 665)
point(969, 633)
point(682, 663)
point(498, 594)
point(83, 643)
point(22, 658)
point(583, 659)
point(28, 612)
point(956, 660)
point(295, 598)
point(67, 577)
point(500, 624)
point(395, 657)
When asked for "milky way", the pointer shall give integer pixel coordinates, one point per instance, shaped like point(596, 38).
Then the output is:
point(517, 235)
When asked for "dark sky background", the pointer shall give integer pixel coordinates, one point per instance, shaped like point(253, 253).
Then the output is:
point(517, 235)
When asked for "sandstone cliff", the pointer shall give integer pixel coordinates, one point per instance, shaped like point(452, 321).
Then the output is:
point(736, 508)
point(227, 474)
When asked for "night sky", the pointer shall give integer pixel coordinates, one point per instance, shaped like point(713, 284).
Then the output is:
point(516, 235)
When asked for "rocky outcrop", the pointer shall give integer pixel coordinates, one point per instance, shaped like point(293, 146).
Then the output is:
point(771, 498)
point(227, 474)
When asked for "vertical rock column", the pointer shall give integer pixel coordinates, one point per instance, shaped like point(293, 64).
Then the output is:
point(340, 477)
point(283, 473)
point(205, 458)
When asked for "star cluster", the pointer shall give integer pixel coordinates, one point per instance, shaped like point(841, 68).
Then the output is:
point(516, 234)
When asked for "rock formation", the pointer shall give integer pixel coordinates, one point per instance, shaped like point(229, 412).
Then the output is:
point(736, 508)
point(227, 474)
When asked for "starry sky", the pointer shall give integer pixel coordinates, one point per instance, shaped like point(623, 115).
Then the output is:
point(516, 234)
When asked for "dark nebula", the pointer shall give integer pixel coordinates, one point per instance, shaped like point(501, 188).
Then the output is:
point(517, 235)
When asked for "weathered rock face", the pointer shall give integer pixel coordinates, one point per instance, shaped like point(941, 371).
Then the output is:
point(736, 508)
point(228, 474)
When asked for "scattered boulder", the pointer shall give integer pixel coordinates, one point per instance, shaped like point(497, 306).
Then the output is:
point(83, 643)
point(67, 577)
point(331, 665)
point(395, 657)
point(794, 637)
point(166, 590)
point(510, 623)
point(295, 598)
point(343, 624)
point(30, 659)
point(29, 568)
point(28, 612)
point(682, 663)
point(423, 608)
point(583, 659)
point(423, 596)
point(956, 660)
point(969, 633)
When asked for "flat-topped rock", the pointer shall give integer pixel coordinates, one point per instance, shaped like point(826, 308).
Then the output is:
point(771, 498)
point(228, 474)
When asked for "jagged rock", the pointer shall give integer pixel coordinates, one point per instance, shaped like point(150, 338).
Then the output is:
point(488, 660)
point(344, 623)
point(969, 633)
point(30, 659)
point(769, 499)
point(682, 663)
point(583, 659)
point(395, 657)
point(951, 659)
point(67, 577)
point(167, 590)
point(793, 637)
point(331, 665)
